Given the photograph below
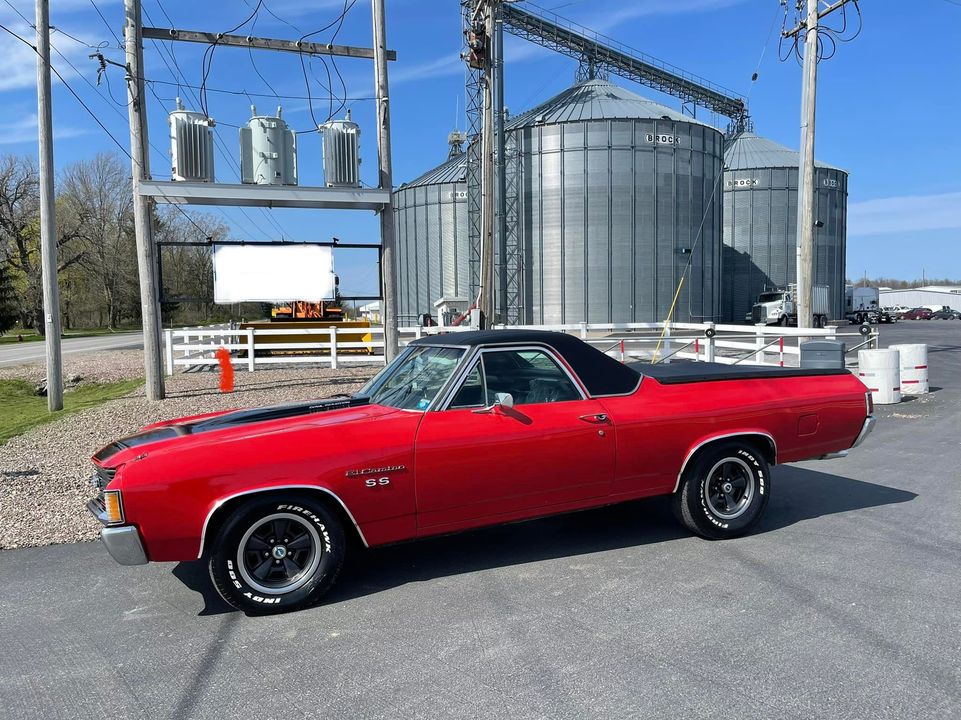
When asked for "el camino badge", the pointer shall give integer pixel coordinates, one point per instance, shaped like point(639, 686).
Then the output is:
point(375, 471)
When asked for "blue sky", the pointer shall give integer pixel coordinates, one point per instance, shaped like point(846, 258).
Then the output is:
point(887, 104)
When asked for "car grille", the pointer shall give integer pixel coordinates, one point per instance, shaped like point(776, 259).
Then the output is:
point(102, 477)
point(756, 314)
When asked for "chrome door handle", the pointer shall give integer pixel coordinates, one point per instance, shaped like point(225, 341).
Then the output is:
point(596, 419)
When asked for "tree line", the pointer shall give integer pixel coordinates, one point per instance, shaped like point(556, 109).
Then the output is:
point(96, 250)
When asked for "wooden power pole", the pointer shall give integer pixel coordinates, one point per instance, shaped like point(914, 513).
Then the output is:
point(48, 220)
point(387, 259)
point(140, 166)
point(805, 215)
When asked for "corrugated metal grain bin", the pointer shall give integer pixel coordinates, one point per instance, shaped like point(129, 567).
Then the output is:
point(616, 195)
point(760, 224)
point(431, 238)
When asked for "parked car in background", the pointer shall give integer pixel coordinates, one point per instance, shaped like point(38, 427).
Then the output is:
point(898, 310)
point(946, 314)
point(918, 314)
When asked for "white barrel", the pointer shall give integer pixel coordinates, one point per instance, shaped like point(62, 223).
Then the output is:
point(880, 370)
point(914, 368)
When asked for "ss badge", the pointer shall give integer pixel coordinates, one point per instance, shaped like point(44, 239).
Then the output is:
point(374, 482)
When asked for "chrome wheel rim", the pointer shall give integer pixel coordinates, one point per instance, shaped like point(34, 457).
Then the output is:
point(729, 488)
point(279, 553)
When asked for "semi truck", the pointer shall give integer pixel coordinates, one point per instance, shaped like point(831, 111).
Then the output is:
point(862, 304)
point(779, 306)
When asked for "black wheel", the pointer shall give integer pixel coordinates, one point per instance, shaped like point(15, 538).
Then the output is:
point(783, 321)
point(277, 553)
point(723, 491)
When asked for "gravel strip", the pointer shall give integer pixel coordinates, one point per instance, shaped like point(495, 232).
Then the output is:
point(93, 367)
point(44, 474)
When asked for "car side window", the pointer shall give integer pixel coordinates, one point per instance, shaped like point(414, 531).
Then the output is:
point(530, 376)
point(471, 393)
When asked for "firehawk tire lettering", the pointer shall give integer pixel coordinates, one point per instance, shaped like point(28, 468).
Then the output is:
point(326, 540)
point(690, 502)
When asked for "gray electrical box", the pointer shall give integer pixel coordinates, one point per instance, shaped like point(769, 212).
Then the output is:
point(823, 354)
point(268, 151)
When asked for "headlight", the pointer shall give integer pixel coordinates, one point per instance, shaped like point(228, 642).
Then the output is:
point(113, 507)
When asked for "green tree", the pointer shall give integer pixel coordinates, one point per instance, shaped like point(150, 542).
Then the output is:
point(8, 307)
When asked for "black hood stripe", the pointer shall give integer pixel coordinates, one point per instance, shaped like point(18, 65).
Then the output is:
point(230, 420)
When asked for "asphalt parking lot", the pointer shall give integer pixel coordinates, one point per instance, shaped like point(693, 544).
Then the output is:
point(846, 603)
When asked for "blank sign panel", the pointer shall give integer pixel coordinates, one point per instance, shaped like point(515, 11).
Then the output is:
point(273, 273)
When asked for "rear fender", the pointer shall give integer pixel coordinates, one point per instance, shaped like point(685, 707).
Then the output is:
point(768, 446)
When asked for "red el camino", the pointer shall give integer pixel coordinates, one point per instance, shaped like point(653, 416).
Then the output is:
point(460, 431)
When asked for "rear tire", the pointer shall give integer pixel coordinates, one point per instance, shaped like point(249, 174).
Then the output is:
point(277, 553)
point(723, 491)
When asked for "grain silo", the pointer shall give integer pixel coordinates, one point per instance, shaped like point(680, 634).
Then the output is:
point(616, 195)
point(760, 224)
point(431, 238)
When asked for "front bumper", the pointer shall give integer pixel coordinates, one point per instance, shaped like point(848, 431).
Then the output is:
point(122, 541)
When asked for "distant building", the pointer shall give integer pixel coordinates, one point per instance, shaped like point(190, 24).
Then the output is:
point(949, 295)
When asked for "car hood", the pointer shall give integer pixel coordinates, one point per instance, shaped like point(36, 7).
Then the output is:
point(228, 424)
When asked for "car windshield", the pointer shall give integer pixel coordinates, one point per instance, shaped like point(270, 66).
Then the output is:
point(770, 297)
point(413, 380)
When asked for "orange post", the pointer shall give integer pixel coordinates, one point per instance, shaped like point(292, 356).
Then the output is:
point(226, 370)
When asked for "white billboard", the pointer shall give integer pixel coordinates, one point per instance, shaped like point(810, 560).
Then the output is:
point(273, 273)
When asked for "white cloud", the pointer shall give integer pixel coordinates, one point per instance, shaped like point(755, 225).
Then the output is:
point(24, 130)
point(906, 213)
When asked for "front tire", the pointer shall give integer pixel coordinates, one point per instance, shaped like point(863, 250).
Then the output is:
point(277, 553)
point(723, 491)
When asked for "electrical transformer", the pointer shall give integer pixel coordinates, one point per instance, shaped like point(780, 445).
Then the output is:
point(191, 146)
point(341, 152)
point(268, 151)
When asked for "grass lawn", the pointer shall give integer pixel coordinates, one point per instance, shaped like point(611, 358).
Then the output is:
point(21, 409)
point(30, 336)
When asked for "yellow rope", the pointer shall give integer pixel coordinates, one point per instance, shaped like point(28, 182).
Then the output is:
point(670, 314)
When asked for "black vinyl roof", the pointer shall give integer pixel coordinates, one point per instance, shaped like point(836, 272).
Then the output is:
point(600, 373)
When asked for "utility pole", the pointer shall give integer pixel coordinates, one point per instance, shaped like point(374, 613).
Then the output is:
point(500, 179)
point(805, 215)
point(48, 219)
point(140, 166)
point(388, 274)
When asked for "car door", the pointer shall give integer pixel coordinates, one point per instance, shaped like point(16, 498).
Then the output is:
point(476, 462)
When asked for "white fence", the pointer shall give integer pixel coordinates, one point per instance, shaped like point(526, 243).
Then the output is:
point(706, 342)
point(728, 344)
point(255, 347)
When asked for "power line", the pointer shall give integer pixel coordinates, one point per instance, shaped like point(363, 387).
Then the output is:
point(250, 93)
point(91, 113)
point(72, 91)
point(107, 24)
point(179, 75)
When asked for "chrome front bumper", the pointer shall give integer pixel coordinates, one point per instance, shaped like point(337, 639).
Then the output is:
point(865, 430)
point(122, 541)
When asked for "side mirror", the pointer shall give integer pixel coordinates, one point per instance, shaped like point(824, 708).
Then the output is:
point(501, 401)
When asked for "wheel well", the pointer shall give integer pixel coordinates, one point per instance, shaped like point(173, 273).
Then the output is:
point(762, 443)
point(220, 514)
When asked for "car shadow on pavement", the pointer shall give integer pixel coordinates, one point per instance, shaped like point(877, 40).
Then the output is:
point(798, 494)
